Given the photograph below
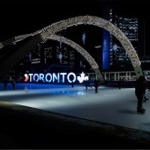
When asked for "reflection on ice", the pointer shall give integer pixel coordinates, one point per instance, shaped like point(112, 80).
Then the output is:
point(68, 92)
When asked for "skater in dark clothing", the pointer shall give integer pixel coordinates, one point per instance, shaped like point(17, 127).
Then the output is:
point(119, 83)
point(72, 84)
point(5, 83)
point(96, 85)
point(87, 84)
point(140, 87)
point(13, 83)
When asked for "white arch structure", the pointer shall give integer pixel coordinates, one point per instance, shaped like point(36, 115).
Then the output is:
point(82, 51)
point(41, 36)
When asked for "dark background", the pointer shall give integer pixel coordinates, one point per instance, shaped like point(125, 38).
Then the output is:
point(25, 16)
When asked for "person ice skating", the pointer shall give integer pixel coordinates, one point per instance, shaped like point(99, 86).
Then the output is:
point(96, 85)
point(72, 84)
point(86, 84)
point(5, 83)
point(12, 81)
point(140, 87)
point(119, 83)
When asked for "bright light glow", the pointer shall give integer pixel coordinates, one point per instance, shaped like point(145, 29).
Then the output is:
point(53, 77)
point(26, 77)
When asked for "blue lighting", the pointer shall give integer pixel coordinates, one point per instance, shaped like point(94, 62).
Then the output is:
point(106, 50)
point(22, 86)
point(52, 89)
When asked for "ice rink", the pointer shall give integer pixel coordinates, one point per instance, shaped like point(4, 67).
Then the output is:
point(110, 105)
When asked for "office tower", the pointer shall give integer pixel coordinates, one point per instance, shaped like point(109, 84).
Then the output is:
point(129, 26)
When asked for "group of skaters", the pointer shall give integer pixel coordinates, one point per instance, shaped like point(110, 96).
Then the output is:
point(90, 83)
point(9, 79)
point(141, 86)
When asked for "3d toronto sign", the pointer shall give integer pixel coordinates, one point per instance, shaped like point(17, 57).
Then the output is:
point(62, 77)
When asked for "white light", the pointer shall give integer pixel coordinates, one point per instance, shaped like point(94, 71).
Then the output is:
point(98, 46)
point(53, 77)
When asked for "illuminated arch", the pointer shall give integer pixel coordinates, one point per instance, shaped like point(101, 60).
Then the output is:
point(41, 35)
point(82, 51)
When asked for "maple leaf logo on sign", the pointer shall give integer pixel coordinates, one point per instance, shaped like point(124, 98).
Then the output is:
point(82, 77)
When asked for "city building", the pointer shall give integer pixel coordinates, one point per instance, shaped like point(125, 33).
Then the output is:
point(119, 59)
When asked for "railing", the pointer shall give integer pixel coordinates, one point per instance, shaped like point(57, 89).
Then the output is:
point(121, 75)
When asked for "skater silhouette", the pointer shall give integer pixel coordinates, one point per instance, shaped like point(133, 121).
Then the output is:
point(140, 87)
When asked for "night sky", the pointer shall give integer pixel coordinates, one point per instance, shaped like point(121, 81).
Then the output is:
point(25, 16)
point(29, 16)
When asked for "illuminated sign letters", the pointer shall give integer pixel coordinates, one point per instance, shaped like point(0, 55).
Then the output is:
point(55, 77)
